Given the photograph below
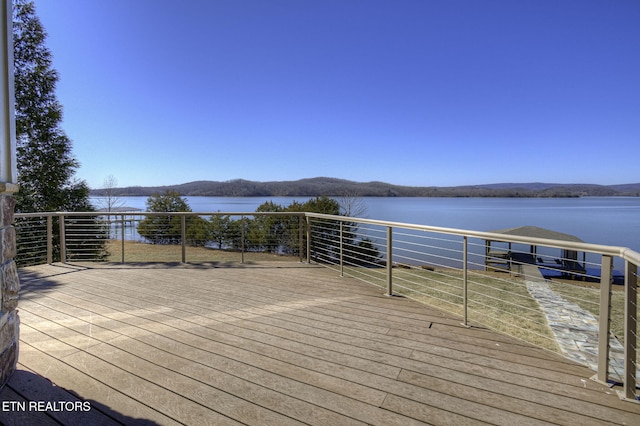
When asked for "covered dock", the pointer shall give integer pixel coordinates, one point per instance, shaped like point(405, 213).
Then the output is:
point(507, 258)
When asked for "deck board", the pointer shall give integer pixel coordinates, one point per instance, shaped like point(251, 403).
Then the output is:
point(277, 343)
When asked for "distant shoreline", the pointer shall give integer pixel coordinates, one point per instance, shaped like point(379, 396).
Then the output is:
point(333, 187)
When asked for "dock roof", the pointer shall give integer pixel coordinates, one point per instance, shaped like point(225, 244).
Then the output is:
point(536, 232)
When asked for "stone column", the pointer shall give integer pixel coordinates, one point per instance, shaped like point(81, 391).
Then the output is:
point(9, 282)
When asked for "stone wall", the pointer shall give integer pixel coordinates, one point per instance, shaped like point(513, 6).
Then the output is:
point(9, 287)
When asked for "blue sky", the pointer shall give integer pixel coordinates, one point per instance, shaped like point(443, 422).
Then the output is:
point(412, 92)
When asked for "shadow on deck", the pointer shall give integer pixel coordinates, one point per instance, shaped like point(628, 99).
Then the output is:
point(273, 343)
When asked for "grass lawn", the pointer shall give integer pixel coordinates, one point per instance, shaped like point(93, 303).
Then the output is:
point(143, 252)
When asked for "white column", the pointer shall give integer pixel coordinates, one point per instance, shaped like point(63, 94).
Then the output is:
point(8, 171)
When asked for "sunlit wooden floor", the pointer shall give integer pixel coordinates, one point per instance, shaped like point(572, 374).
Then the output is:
point(274, 344)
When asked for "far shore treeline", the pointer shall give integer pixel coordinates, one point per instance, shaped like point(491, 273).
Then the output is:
point(340, 187)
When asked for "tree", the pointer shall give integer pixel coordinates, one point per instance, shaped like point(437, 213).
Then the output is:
point(164, 229)
point(357, 251)
point(266, 231)
point(360, 252)
point(110, 201)
point(325, 232)
point(167, 229)
point(198, 231)
point(237, 233)
point(323, 205)
point(352, 205)
point(219, 230)
point(46, 166)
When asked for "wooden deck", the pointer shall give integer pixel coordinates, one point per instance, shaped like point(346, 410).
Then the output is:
point(273, 344)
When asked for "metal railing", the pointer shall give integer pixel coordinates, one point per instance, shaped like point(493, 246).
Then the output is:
point(527, 288)
point(144, 237)
point(522, 286)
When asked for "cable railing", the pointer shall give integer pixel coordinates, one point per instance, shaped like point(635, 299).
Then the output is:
point(560, 295)
point(577, 299)
point(156, 237)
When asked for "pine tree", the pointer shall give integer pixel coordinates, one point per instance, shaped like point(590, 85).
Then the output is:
point(46, 166)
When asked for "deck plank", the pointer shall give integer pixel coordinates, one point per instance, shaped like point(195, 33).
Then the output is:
point(207, 350)
point(282, 344)
point(507, 398)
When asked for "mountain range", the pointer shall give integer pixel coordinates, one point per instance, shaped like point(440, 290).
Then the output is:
point(340, 187)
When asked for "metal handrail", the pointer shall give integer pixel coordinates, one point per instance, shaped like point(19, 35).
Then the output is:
point(328, 243)
point(631, 258)
point(618, 251)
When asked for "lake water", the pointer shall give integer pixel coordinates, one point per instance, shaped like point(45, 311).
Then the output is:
point(598, 220)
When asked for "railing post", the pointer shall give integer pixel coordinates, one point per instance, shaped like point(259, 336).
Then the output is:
point(63, 238)
point(308, 240)
point(183, 235)
point(300, 238)
point(49, 239)
point(123, 224)
point(389, 261)
point(604, 327)
point(630, 330)
point(464, 280)
point(241, 239)
point(341, 249)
